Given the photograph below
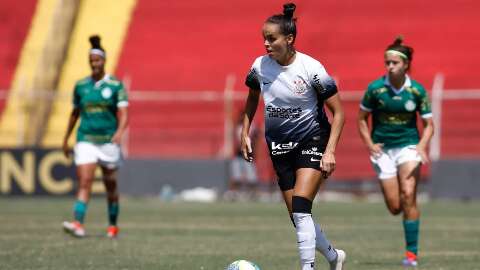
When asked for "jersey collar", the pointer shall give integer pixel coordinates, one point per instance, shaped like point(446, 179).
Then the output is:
point(406, 84)
point(99, 83)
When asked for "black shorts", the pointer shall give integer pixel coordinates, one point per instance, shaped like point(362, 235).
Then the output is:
point(304, 155)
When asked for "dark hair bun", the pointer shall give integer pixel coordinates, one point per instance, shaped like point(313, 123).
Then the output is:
point(95, 41)
point(398, 41)
point(288, 10)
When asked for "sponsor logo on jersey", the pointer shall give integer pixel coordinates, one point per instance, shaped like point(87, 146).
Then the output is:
point(282, 148)
point(287, 113)
point(314, 151)
point(299, 87)
point(106, 92)
point(410, 106)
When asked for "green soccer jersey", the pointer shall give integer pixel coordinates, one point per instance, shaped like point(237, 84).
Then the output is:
point(394, 112)
point(98, 103)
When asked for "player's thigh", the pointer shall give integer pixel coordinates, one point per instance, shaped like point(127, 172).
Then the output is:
point(409, 174)
point(86, 174)
point(110, 155)
point(287, 197)
point(307, 183)
point(390, 190)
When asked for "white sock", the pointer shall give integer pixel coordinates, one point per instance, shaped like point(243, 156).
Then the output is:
point(306, 239)
point(323, 245)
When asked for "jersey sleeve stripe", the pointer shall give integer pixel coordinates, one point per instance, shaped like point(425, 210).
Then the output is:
point(427, 115)
point(365, 108)
point(122, 104)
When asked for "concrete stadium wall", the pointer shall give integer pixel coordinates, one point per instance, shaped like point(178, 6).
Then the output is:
point(147, 177)
point(455, 179)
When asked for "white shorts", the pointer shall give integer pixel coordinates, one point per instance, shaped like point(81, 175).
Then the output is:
point(386, 164)
point(241, 170)
point(108, 154)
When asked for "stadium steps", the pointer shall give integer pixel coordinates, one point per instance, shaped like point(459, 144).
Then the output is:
point(37, 69)
point(109, 19)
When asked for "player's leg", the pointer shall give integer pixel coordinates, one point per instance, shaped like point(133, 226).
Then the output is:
point(391, 194)
point(308, 181)
point(110, 158)
point(85, 174)
point(110, 181)
point(385, 167)
point(409, 174)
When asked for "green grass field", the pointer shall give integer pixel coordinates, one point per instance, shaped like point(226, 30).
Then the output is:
point(156, 235)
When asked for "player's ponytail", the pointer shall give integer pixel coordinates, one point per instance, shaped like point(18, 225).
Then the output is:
point(288, 10)
point(96, 46)
point(286, 21)
point(403, 51)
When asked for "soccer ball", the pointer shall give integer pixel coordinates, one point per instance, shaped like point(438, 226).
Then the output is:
point(242, 265)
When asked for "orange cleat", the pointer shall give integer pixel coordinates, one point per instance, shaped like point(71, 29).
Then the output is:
point(410, 259)
point(74, 228)
point(112, 231)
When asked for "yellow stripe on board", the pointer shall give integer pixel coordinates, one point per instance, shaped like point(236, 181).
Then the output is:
point(13, 120)
point(109, 19)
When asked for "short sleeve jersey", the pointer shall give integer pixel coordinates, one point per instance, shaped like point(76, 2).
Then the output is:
point(293, 97)
point(394, 112)
point(98, 103)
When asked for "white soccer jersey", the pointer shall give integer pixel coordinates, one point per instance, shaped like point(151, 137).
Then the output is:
point(293, 97)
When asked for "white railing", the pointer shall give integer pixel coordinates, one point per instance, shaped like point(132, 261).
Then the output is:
point(229, 96)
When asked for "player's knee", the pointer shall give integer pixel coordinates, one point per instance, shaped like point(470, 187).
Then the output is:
point(85, 183)
point(395, 210)
point(301, 205)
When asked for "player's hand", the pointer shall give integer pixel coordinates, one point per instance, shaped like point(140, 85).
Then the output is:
point(327, 164)
point(246, 148)
point(376, 149)
point(66, 150)
point(423, 154)
point(117, 138)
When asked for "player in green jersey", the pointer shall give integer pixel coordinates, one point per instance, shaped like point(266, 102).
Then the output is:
point(100, 101)
point(396, 148)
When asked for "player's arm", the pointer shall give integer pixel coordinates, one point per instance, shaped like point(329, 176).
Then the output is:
point(122, 116)
point(334, 105)
point(250, 109)
point(425, 139)
point(74, 115)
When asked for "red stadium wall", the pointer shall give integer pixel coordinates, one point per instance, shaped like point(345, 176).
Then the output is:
point(15, 20)
point(194, 45)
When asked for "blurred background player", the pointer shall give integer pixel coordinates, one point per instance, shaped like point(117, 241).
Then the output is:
point(101, 102)
point(396, 151)
point(301, 141)
point(243, 180)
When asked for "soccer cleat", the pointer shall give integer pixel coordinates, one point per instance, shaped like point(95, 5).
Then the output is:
point(410, 259)
point(340, 261)
point(112, 231)
point(75, 228)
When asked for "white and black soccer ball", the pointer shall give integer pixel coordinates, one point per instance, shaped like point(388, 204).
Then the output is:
point(242, 265)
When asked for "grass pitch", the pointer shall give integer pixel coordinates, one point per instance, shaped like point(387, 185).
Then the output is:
point(196, 236)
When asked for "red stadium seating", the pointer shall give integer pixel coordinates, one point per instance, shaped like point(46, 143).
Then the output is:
point(194, 45)
point(14, 24)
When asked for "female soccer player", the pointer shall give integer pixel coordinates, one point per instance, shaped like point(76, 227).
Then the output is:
point(101, 102)
point(396, 151)
point(301, 141)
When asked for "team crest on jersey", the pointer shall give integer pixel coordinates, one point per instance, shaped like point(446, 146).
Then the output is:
point(299, 87)
point(106, 92)
point(410, 106)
